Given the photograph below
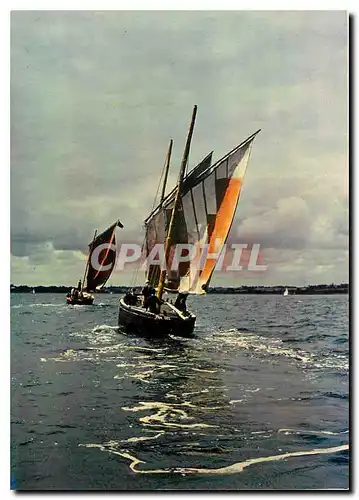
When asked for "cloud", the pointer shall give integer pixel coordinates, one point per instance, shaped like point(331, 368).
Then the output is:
point(285, 226)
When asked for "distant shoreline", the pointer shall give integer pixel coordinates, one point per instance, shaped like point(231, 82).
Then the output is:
point(343, 288)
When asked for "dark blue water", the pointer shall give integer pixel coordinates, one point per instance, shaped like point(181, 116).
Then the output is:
point(257, 400)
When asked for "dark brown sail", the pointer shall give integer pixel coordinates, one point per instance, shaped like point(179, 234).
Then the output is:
point(101, 266)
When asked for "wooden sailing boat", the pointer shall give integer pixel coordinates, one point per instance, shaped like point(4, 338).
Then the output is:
point(199, 212)
point(96, 278)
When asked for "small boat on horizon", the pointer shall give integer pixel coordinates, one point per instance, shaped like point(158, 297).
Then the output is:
point(198, 211)
point(96, 278)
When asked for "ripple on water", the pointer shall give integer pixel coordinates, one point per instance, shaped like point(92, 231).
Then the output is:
point(228, 401)
point(277, 348)
point(112, 447)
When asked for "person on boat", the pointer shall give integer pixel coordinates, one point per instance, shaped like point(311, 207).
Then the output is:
point(147, 291)
point(79, 286)
point(180, 303)
point(130, 298)
point(153, 303)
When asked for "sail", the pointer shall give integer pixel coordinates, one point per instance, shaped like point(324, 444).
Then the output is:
point(188, 181)
point(209, 208)
point(157, 224)
point(155, 233)
point(106, 258)
point(209, 198)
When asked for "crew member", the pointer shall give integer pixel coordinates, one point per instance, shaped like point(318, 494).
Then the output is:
point(180, 303)
point(153, 303)
point(130, 298)
point(147, 291)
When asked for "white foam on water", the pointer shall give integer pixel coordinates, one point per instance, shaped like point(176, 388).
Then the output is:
point(49, 305)
point(167, 415)
point(303, 431)
point(101, 328)
point(143, 438)
point(268, 347)
point(135, 439)
point(141, 348)
point(203, 370)
point(126, 365)
point(226, 470)
point(142, 371)
point(143, 376)
point(17, 306)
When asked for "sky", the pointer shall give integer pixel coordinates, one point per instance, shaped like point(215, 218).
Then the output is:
point(96, 96)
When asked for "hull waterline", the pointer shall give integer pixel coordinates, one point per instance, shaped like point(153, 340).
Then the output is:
point(135, 319)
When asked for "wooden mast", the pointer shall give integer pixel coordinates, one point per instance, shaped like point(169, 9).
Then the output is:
point(167, 167)
point(88, 260)
point(176, 204)
point(152, 276)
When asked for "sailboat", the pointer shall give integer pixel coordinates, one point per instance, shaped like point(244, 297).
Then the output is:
point(96, 277)
point(286, 292)
point(199, 211)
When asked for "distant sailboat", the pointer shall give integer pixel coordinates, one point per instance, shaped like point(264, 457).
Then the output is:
point(199, 211)
point(286, 292)
point(96, 278)
point(33, 291)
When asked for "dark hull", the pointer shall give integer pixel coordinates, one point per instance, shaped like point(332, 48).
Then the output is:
point(79, 302)
point(137, 320)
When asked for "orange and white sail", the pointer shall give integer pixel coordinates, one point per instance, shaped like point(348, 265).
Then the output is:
point(209, 209)
point(208, 204)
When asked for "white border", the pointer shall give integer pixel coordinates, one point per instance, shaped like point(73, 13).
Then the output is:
point(5, 9)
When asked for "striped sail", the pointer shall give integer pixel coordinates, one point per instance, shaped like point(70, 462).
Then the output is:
point(210, 208)
point(207, 209)
point(97, 277)
point(157, 224)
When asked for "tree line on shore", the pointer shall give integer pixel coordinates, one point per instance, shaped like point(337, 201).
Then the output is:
point(244, 289)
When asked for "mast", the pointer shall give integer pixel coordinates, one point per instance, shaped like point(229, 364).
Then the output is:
point(167, 167)
point(152, 275)
point(176, 203)
point(88, 260)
